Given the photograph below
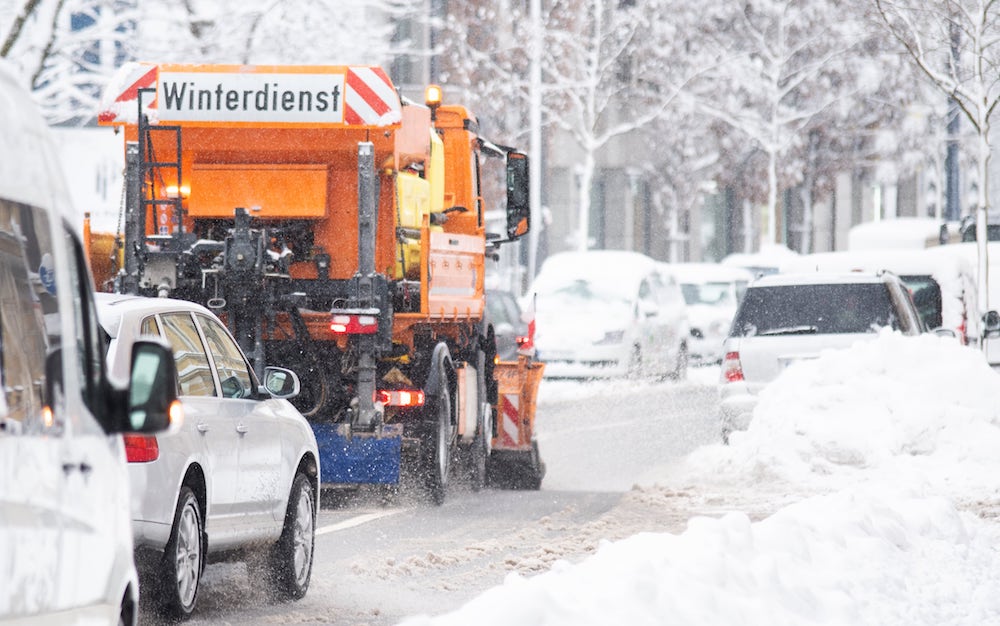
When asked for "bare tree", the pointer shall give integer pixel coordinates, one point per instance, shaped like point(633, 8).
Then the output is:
point(781, 77)
point(954, 43)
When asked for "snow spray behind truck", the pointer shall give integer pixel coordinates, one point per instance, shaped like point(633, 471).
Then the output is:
point(340, 231)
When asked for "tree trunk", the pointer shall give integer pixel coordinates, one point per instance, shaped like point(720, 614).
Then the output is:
point(982, 217)
point(586, 181)
point(772, 197)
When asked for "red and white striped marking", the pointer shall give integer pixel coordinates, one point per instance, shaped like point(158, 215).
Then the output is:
point(509, 416)
point(126, 85)
point(370, 99)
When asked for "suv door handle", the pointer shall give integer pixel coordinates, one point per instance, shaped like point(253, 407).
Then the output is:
point(202, 427)
point(241, 428)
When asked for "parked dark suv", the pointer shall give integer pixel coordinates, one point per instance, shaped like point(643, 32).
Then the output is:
point(785, 318)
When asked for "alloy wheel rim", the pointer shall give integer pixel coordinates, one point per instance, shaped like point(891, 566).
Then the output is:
point(188, 555)
point(302, 535)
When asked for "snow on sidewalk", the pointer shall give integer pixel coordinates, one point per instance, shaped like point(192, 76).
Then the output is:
point(889, 453)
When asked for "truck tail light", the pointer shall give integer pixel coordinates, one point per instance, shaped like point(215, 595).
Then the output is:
point(141, 448)
point(353, 324)
point(732, 369)
point(400, 397)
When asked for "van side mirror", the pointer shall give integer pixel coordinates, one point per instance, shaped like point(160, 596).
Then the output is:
point(991, 324)
point(280, 383)
point(152, 393)
point(518, 197)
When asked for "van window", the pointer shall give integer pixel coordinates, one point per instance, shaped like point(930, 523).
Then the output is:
point(89, 348)
point(29, 322)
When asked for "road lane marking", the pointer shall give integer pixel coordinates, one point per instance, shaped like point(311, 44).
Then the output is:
point(356, 521)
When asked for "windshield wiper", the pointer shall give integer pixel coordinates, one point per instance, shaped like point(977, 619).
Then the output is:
point(789, 330)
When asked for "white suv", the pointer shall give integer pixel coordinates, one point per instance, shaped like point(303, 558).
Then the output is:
point(785, 318)
point(65, 545)
point(240, 478)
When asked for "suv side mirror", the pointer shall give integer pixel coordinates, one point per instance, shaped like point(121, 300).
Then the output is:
point(518, 197)
point(280, 383)
point(152, 392)
point(991, 324)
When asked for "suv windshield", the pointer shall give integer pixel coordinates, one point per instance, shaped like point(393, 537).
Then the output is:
point(820, 309)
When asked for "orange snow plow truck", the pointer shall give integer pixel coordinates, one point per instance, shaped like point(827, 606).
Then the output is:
point(340, 231)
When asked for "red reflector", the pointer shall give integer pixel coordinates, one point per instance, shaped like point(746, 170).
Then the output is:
point(354, 324)
point(141, 448)
point(732, 369)
point(400, 397)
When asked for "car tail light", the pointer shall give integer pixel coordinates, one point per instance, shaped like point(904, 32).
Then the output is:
point(962, 334)
point(732, 370)
point(353, 324)
point(400, 397)
point(521, 340)
point(141, 448)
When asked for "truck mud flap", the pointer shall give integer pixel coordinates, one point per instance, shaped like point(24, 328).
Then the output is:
point(517, 389)
point(358, 458)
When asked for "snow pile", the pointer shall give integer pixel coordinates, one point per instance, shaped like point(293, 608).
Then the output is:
point(848, 558)
point(899, 408)
point(887, 443)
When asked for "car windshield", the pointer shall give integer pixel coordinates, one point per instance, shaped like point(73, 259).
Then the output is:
point(713, 294)
point(808, 309)
point(585, 290)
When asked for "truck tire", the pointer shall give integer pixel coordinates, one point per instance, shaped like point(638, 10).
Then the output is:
point(535, 470)
point(291, 558)
point(439, 442)
point(482, 442)
point(183, 559)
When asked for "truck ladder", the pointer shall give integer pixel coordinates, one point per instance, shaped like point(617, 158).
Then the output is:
point(150, 165)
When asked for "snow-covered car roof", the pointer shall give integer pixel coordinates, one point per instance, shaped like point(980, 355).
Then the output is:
point(32, 172)
point(897, 233)
point(930, 262)
point(817, 278)
point(706, 272)
point(596, 266)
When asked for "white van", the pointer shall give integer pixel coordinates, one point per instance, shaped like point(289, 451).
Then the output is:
point(65, 533)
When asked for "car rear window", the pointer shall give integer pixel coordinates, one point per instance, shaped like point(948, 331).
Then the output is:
point(814, 309)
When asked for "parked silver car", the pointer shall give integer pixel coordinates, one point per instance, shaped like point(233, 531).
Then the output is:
point(785, 318)
point(241, 473)
point(712, 293)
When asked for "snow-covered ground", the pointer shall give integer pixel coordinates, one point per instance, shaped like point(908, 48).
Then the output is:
point(881, 464)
